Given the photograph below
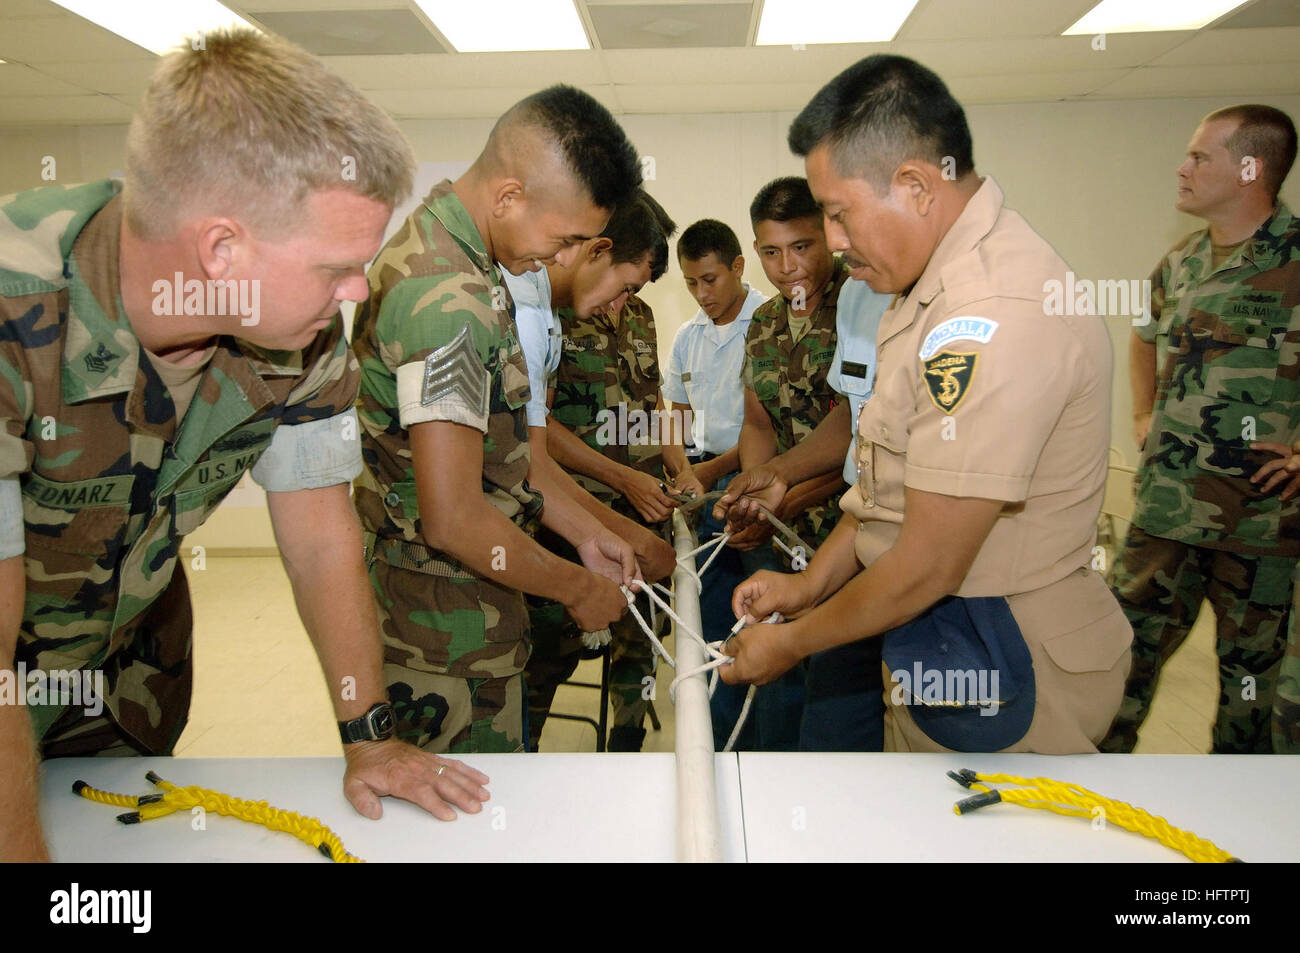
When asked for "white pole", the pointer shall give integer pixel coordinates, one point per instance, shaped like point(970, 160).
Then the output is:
point(699, 836)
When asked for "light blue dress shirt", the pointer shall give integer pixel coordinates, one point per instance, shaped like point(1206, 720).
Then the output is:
point(853, 368)
point(539, 336)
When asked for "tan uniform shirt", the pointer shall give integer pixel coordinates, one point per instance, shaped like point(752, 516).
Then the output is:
point(979, 393)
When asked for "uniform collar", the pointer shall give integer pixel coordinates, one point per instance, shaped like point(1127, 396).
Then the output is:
point(1270, 238)
point(971, 227)
point(450, 211)
point(101, 354)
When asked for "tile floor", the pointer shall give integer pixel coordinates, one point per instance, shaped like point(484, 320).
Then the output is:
point(259, 690)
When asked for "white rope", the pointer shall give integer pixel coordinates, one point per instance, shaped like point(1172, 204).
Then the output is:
point(716, 658)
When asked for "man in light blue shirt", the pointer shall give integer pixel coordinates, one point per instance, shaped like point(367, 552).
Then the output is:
point(843, 710)
point(703, 375)
point(853, 368)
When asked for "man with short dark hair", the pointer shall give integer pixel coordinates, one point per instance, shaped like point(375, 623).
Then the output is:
point(590, 346)
point(788, 353)
point(1213, 370)
point(446, 497)
point(981, 454)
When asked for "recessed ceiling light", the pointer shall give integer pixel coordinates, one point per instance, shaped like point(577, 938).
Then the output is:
point(1150, 16)
point(791, 22)
point(157, 25)
point(500, 26)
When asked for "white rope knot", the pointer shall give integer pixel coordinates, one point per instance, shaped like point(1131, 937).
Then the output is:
point(713, 650)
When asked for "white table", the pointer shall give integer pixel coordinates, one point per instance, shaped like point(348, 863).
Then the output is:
point(584, 807)
point(773, 807)
point(899, 807)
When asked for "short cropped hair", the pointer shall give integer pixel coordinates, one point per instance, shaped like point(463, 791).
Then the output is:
point(784, 200)
point(880, 112)
point(638, 227)
point(594, 146)
point(708, 236)
point(1266, 133)
point(250, 125)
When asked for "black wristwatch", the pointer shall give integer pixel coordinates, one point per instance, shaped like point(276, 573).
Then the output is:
point(377, 724)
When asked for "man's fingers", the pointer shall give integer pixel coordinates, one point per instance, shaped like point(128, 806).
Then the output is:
point(473, 774)
point(1292, 488)
point(1276, 480)
point(1280, 449)
point(363, 800)
point(1266, 469)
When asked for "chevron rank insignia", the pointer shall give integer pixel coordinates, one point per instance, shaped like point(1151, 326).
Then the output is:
point(948, 376)
point(455, 371)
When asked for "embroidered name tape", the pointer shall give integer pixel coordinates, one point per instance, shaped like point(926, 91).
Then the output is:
point(957, 329)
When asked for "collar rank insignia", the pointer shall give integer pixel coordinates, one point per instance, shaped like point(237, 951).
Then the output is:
point(948, 375)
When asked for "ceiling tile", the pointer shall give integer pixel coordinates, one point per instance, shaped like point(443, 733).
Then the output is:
point(19, 80)
point(129, 77)
point(1263, 13)
point(952, 58)
point(661, 26)
point(962, 19)
point(716, 97)
point(65, 37)
point(1226, 47)
point(1215, 81)
point(1031, 87)
point(352, 32)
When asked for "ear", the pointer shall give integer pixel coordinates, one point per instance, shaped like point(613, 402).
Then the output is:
point(1250, 170)
point(738, 266)
point(218, 244)
point(917, 182)
point(596, 247)
point(507, 194)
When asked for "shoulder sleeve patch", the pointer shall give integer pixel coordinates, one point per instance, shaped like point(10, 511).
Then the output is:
point(948, 377)
point(967, 328)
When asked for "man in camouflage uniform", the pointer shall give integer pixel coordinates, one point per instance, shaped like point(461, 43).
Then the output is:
point(1214, 370)
point(132, 406)
point(445, 497)
point(605, 359)
point(788, 352)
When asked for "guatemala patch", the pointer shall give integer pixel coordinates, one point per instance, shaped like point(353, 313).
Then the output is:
point(958, 329)
point(948, 375)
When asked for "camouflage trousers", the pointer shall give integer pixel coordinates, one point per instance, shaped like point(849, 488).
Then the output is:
point(454, 653)
point(1286, 702)
point(557, 650)
point(1160, 584)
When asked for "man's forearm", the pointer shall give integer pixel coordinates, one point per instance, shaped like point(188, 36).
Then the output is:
point(1142, 374)
point(20, 826)
point(571, 451)
point(822, 452)
point(320, 543)
point(803, 496)
point(711, 471)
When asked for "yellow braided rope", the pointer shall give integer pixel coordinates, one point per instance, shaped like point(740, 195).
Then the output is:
point(148, 806)
point(1071, 800)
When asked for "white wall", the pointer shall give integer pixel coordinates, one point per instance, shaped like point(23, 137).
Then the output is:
point(1096, 179)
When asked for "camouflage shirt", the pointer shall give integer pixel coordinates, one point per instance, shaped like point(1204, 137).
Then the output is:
point(110, 481)
point(1228, 372)
point(786, 362)
point(437, 341)
point(607, 386)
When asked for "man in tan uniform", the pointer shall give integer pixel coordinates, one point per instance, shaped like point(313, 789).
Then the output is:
point(981, 454)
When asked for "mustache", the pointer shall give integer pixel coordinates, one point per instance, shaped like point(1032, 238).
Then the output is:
point(851, 262)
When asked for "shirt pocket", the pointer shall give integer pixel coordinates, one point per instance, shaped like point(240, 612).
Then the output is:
point(881, 434)
point(201, 490)
point(74, 532)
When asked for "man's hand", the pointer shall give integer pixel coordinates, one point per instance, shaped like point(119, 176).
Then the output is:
point(642, 491)
point(688, 481)
point(597, 606)
point(656, 557)
point(762, 655)
point(1141, 427)
point(752, 536)
point(607, 555)
point(747, 494)
point(394, 768)
point(766, 592)
point(1286, 469)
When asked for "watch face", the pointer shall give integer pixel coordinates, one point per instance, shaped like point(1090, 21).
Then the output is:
point(383, 721)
